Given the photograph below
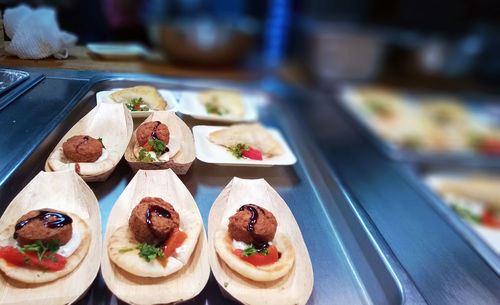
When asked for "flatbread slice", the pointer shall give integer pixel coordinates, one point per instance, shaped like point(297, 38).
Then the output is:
point(228, 101)
point(148, 94)
point(254, 135)
point(35, 276)
point(224, 247)
point(131, 262)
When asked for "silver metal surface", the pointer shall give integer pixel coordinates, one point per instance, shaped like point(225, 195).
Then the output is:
point(350, 267)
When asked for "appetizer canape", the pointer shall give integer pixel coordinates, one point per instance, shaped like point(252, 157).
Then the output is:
point(250, 141)
point(157, 241)
point(251, 246)
point(476, 199)
point(50, 241)
point(222, 102)
point(140, 98)
point(95, 145)
point(43, 245)
point(155, 245)
point(162, 141)
point(256, 247)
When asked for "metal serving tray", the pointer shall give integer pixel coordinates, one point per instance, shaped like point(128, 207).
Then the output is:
point(473, 101)
point(351, 264)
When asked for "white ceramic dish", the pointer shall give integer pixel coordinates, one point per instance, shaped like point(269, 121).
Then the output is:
point(167, 95)
point(118, 50)
point(209, 152)
point(189, 104)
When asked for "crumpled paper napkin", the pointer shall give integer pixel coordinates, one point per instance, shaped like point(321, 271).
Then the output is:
point(35, 34)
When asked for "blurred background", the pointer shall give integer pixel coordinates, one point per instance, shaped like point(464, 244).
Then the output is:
point(441, 44)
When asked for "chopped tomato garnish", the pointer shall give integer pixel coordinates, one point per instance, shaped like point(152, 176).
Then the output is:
point(259, 259)
point(489, 220)
point(30, 258)
point(490, 147)
point(147, 147)
point(252, 153)
point(175, 240)
point(138, 106)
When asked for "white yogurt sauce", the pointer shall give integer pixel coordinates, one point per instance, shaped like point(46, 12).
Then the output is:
point(70, 247)
point(103, 156)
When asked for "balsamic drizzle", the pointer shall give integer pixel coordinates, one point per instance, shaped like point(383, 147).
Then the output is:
point(61, 220)
point(153, 134)
point(258, 245)
point(158, 210)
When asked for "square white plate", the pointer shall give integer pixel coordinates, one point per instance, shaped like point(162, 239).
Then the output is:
point(209, 152)
point(167, 95)
point(190, 105)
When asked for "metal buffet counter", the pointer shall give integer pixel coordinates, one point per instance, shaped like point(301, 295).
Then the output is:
point(373, 235)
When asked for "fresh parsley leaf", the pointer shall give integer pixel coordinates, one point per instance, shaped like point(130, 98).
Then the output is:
point(158, 146)
point(135, 105)
point(145, 156)
point(264, 252)
point(213, 108)
point(250, 250)
point(26, 259)
point(100, 140)
point(150, 252)
point(40, 249)
point(237, 150)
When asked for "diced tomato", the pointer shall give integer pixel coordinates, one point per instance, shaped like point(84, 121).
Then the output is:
point(259, 259)
point(490, 147)
point(175, 240)
point(490, 220)
point(252, 153)
point(147, 147)
point(137, 107)
point(14, 257)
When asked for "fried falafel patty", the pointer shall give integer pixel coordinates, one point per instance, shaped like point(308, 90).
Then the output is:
point(152, 130)
point(82, 148)
point(153, 220)
point(252, 224)
point(45, 225)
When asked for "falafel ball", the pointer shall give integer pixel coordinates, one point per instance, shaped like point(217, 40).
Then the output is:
point(82, 148)
point(160, 215)
point(149, 129)
point(240, 227)
point(36, 224)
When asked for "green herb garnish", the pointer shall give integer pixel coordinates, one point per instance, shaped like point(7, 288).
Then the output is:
point(150, 252)
point(237, 150)
point(41, 249)
point(100, 140)
point(125, 250)
point(465, 213)
point(158, 146)
point(378, 107)
point(135, 105)
point(145, 156)
point(214, 109)
point(250, 250)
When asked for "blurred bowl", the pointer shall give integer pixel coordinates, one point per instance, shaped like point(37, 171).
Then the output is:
point(207, 42)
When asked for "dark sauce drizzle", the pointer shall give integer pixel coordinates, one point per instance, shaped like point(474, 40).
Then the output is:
point(155, 136)
point(61, 220)
point(258, 245)
point(85, 139)
point(158, 210)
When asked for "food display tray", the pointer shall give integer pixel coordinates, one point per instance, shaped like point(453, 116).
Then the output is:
point(420, 173)
point(475, 102)
point(351, 263)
